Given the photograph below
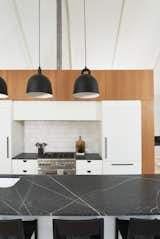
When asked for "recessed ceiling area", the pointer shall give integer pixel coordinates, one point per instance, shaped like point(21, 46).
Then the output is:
point(121, 34)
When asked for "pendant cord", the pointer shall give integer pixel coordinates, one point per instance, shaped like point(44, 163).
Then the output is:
point(85, 33)
point(39, 31)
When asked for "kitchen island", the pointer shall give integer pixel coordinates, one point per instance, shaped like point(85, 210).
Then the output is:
point(37, 195)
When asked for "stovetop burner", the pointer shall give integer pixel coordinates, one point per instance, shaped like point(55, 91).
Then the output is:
point(58, 155)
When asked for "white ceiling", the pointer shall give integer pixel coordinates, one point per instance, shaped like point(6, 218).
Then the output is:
point(121, 34)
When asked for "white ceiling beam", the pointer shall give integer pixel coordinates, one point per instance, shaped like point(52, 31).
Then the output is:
point(118, 33)
point(27, 54)
point(59, 34)
point(68, 33)
point(157, 61)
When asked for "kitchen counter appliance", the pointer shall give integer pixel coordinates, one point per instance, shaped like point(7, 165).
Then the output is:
point(62, 163)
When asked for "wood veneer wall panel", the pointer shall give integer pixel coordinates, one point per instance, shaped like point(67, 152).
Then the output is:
point(19, 79)
point(147, 137)
point(129, 84)
point(65, 83)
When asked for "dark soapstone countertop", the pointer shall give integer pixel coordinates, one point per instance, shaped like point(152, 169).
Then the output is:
point(82, 195)
point(26, 156)
point(88, 156)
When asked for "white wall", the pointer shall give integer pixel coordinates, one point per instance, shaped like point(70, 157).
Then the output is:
point(61, 135)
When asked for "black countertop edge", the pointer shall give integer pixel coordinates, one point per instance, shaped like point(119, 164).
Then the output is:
point(32, 156)
point(89, 156)
point(26, 156)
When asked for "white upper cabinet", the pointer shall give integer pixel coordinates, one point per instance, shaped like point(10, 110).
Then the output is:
point(56, 110)
point(5, 136)
point(121, 137)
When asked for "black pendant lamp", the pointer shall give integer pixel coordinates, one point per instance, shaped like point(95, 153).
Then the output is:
point(3, 89)
point(85, 85)
point(39, 85)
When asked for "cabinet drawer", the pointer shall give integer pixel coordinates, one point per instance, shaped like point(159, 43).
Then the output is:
point(88, 167)
point(89, 164)
point(122, 168)
point(88, 172)
point(24, 167)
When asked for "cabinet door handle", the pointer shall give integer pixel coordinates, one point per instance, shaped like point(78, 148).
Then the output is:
point(88, 171)
point(24, 161)
point(122, 164)
point(89, 161)
point(24, 171)
point(105, 147)
point(7, 147)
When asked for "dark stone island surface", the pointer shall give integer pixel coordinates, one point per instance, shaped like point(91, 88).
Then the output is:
point(82, 195)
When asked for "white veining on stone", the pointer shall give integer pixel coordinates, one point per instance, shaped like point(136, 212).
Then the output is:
point(49, 190)
point(61, 208)
point(99, 190)
point(156, 208)
point(75, 195)
point(26, 195)
point(119, 184)
point(23, 202)
point(11, 207)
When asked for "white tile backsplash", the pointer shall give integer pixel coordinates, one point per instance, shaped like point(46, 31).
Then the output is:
point(61, 135)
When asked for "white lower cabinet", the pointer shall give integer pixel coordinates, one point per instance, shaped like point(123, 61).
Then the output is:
point(122, 168)
point(88, 167)
point(24, 166)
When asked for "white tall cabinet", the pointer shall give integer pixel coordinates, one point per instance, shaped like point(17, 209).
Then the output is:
point(121, 137)
point(5, 136)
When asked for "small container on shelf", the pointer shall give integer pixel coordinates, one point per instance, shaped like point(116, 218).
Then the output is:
point(80, 146)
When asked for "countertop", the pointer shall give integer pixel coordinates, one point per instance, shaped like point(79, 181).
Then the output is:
point(89, 157)
point(26, 156)
point(82, 195)
point(29, 156)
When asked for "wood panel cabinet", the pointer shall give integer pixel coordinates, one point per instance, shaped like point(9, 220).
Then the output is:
point(65, 84)
point(19, 79)
point(129, 84)
point(148, 137)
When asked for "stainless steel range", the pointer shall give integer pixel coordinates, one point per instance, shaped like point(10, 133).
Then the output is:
point(62, 163)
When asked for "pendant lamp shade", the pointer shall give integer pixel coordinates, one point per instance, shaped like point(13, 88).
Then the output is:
point(85, 85)
point(39, 86)
point(3, 89)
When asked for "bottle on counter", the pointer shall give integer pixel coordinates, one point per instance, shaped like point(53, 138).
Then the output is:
point(80, 146)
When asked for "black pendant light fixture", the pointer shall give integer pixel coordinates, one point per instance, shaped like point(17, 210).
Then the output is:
point(85, 85)
point(3, 89)
point(39, 85)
